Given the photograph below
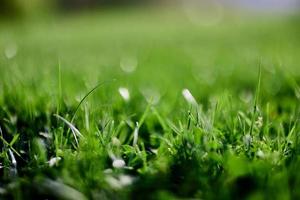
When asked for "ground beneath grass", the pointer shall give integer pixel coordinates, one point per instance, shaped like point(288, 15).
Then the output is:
point(150, 105)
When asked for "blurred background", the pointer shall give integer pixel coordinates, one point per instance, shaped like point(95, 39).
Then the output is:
point(13, 8)
point(211, 45)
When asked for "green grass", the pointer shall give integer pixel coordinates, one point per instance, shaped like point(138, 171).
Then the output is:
point(66, 132)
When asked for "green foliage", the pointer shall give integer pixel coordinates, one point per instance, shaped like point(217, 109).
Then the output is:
point(65, 137)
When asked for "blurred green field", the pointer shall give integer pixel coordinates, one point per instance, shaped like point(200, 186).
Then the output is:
point(240, 138)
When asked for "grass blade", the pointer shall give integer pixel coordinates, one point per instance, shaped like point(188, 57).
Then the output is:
point(256, 99)
point(87, 94)
point(75, 131)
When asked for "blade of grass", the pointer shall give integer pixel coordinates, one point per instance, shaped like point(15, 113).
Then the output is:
point(59, 98)
point(75, 131)
point(256, 99)
point(6, 143)
point(87, 94)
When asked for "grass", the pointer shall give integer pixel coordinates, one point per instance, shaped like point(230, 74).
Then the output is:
point(128, 105)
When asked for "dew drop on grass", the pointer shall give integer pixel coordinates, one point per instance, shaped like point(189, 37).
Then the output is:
point(54, 161)
point(11, 50)
point(124, 92)
point(260, 154)
point(128, 64)
point(189, 97)
point(118, 163)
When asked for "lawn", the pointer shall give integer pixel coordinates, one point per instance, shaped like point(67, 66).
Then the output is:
point(149, 104)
